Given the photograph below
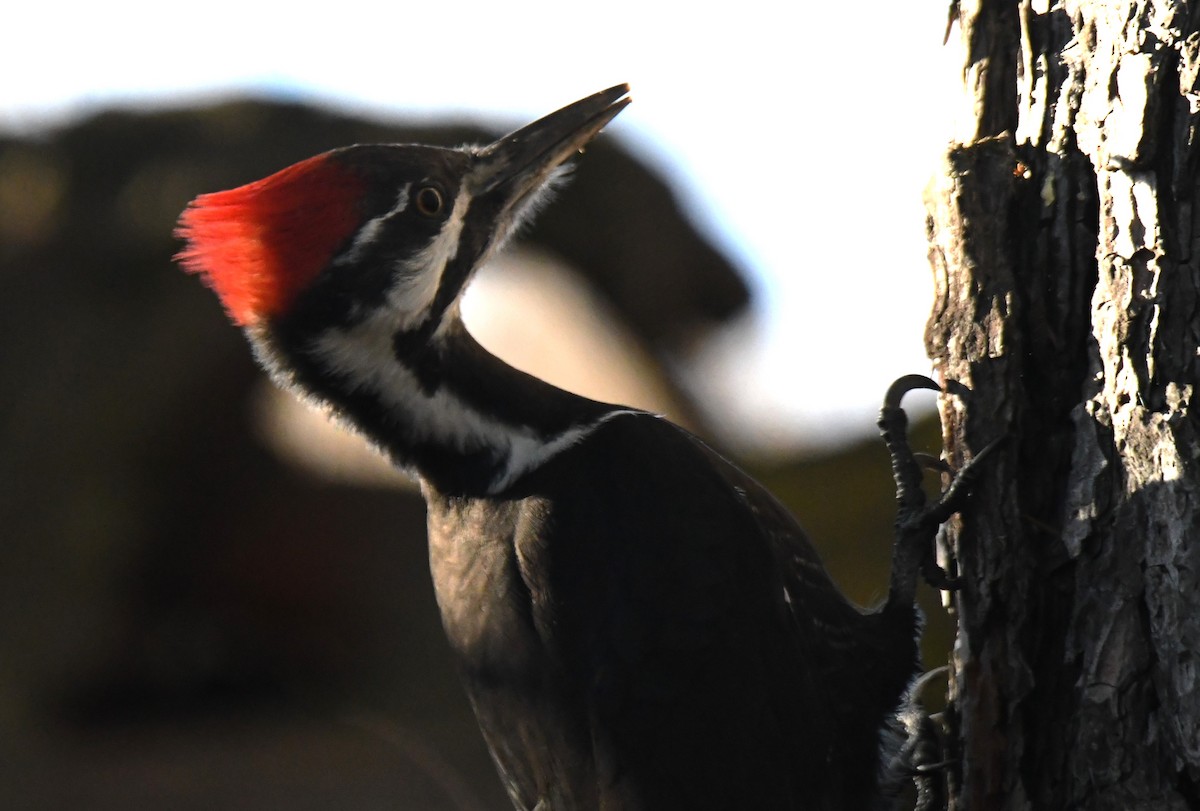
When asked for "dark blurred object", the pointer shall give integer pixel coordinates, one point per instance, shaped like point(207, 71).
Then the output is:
point(187, 621)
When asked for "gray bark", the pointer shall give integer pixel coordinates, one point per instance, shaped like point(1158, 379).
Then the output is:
point(1063, 242)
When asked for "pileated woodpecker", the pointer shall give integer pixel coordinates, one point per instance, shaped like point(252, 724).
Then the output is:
point(639, 624)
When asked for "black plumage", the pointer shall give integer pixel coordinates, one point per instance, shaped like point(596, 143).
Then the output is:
point(640, 625)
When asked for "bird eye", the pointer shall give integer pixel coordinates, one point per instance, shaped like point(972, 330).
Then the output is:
point(429, 201)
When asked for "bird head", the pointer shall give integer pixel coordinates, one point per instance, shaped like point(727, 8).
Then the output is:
point(334, 239)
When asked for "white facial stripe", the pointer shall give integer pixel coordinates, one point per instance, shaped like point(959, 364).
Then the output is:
point(370, 230)
point(421, 275)
point(416, 279)
point(440, 418)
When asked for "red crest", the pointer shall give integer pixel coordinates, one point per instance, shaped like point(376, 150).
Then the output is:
point(259, 245)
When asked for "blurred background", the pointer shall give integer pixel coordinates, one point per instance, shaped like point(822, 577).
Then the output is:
point(211, 599)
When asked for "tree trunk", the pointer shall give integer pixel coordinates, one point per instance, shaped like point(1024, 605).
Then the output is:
point(1067, 277)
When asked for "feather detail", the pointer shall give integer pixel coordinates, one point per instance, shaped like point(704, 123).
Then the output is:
point(259, 245)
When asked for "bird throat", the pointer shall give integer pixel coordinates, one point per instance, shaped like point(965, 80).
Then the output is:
point(448, 411)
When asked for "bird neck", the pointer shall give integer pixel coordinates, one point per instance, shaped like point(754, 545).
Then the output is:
point(438, 404)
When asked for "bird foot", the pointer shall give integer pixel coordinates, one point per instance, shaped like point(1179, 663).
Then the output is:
point(917, 520)
point(923, 756)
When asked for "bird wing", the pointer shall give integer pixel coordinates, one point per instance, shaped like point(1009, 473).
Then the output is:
point(665, 583)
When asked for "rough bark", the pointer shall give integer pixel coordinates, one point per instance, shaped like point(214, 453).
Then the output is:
point(1061, 239)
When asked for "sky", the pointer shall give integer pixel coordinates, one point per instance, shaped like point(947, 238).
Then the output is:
point(799, 140)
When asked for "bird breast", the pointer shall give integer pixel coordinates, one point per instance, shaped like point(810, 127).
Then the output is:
point(484, 601)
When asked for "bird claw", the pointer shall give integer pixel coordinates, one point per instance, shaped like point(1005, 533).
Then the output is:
point(917, 520)
point(904, 385)
point(923, 769)
point(924, 755)
point(938, 577)
point(935, 463)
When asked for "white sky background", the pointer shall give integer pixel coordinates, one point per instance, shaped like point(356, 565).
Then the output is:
point(803, 156)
